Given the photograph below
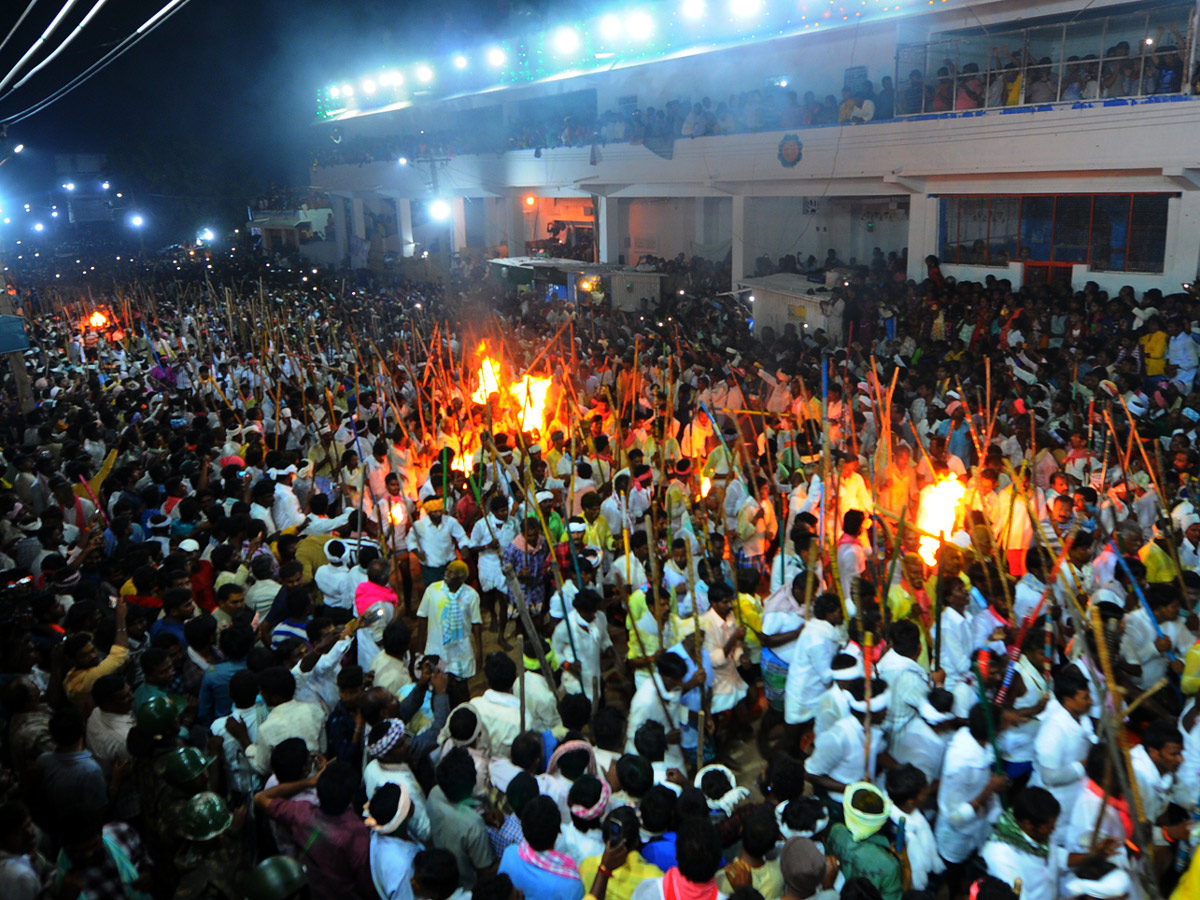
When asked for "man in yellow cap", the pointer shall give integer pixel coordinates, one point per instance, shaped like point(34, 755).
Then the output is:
point(448, 622)
point(436, 539)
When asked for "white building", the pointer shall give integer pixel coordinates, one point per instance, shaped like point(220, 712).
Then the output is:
point(1063, 143)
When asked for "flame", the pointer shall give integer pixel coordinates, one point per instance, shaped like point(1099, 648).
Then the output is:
point(705, 486)
point(530, 393)
point(397, 515)
point(939, 510)
point(460, 464)
point(489, 375)
point(97, 319)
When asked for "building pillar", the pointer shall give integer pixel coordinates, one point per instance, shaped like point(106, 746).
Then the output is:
point(608, 238)
point(341, 226)
point(404, 226)
point(738, 234)
point(458, 207)
point(358, 219)
point(922, 233)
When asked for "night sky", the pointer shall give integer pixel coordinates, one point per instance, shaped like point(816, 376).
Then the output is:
point(226, 86)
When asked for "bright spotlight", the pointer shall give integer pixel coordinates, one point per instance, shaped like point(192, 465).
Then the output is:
point(54, 215)
point(18, 148)
point(424, 74)
point(640, 26)
point(38, 226)
point(7, 220)
point(69, 186)
point(460, 62)
point(391, 79)
point(566, 40)
point(137, 221)
point(369, 86)
point(104, 186)
point(403, 160)
point(207, 235)
point(496, 57)
point(440, 210)
point(610, 26)
point(744, 8)
point(692, 9)
point(348, 90)
point(530, 200)
point(334, 93)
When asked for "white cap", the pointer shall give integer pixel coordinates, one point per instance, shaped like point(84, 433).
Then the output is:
point(188, 545)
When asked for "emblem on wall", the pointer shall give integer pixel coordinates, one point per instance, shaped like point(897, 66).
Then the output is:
point(790, 150)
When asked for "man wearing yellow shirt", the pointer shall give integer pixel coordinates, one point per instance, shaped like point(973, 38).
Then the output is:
point(621, 878)
point(1158, 559)
point(86, 666)
point(1154, 347)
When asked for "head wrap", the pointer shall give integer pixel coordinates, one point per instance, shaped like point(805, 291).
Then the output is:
point(862, 824)
point(479, 738)
point(788, 833)
point(543, 496)
point(435, 504)
point(596, 810)
point(730, 798)
point(390, 739)
point(403, 807)
point(1113, 885)
point(570, 747)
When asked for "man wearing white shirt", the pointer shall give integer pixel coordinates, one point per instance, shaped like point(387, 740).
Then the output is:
point(634, 562)
point(968, 793)
point(1141, 647)
point(287, 718)
point(1029, 590)
point(1155, 763)
point(1063, 740)
point(489, 537)
point(838, 754)
point(333, 579)
point(436, 537)
point(579, 640)
point(955, 631)
point(1019, 851)
point(498, 708)
point(657, 699)
point(810, 672)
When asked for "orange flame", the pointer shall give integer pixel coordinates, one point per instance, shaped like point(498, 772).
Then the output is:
point(489, 375)
point(97, 319)
point(939, 510)
point(397, 515)
point(530, 393)
point(460, 464)
point(705, 486)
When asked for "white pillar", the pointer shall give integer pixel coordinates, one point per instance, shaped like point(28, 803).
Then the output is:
point(922, 233)
point(358, 219)
point(341, 226)
point(608, 240)
point(458, 208)
point(404, 226)
point(738, 255)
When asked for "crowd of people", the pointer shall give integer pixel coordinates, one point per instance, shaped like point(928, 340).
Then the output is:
point(307, 593)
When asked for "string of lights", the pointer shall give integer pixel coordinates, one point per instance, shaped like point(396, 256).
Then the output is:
point(611, 40)
point(144, 30)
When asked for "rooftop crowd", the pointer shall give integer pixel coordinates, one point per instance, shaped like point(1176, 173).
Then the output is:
point(295, 605)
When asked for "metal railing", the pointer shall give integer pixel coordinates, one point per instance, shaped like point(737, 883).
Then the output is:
point(1140, 54)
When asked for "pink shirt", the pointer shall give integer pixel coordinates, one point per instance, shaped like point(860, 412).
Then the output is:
point(369, 593)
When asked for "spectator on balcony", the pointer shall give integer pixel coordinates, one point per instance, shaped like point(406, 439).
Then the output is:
point(864, 104)
point(943, 91)
point(916, 95)
point(846, 110)
point(885, 100)
point(1043, 86)
point(1170, 71)
point(970, 88)
point(693, 125)
point(829, 111)
point(1117, 79)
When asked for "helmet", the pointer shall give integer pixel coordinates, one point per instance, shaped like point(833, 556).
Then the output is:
point(157, 716)
point(275, 878)
point(184, 764)
point(205, 816)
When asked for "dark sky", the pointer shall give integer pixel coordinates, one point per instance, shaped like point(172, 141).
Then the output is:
point(234, 78)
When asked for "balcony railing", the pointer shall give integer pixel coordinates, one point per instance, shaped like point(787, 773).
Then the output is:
point(1133, 55)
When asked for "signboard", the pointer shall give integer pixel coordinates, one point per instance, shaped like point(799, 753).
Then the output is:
point(12, 335)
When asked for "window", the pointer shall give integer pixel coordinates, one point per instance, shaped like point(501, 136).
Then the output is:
point(1106, 232)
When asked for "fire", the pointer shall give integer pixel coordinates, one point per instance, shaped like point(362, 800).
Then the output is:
point(397, 515)
point(939, 510)
point(489, 375)
point(530, 393)
point(460, 464)
point(97, 319)
point(705, 486)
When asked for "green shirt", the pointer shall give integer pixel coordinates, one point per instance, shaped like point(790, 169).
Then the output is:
point(871, 858)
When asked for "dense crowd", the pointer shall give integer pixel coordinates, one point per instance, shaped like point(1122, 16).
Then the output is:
point(305, 595)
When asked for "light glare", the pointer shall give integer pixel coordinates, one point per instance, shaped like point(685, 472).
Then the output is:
point(692, 9)
point(370, 87)
point(496, 57)
point(460, 62)
point(424, 74)
point(440, 210)
point(744, 8)
point(610, 26)
point(137, 221)
point(640, 26)
point(566, 40)
point(38, 226)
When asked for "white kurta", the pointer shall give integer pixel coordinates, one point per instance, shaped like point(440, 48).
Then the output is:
point(1061, 746)
point(961, 830)
point(810, 672)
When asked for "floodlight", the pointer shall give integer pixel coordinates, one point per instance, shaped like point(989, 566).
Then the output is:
point(348, 90)
point(639, 25)
point(104, 186)
point(391, 78)
point(18, 148)
point(69, 186)
point(335, 93)
point(744, 8)
point(566, 40)
point(424, 74)
point(692, 9)
point(369, 86)
point(440, 210)
point(610, 26)
point(403, 160)
point(38, 226)
point(496, 57)
point(460, 62)
point(207, 235)
point(137, 221)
